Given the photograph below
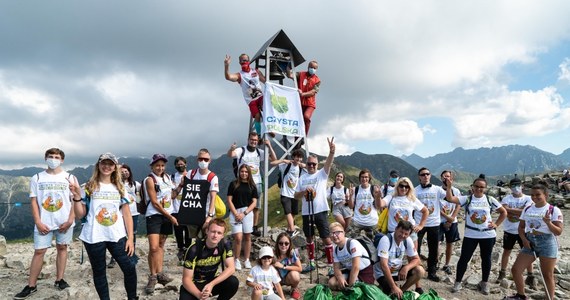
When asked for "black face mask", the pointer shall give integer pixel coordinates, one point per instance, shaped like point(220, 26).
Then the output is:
point(250, 148)
point(180, 168)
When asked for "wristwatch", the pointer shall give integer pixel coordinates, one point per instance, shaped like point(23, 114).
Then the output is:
point(211, 215)
point(245, 212)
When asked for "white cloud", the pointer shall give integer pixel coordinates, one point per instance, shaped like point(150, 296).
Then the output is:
point(564, 74)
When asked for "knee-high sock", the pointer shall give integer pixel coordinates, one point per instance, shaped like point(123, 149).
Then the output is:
point(329, 254)
point(311, 250)
point(257, 126)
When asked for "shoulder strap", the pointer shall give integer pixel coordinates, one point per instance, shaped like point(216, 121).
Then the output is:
point(258, 153)
point(356, 192)
point(241, 155)
point(287, 168)
point(385, 189)
point(193, 173)
point(211, 176)
point(332, 187)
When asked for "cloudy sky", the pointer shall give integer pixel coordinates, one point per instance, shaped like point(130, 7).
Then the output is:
point(398, 77)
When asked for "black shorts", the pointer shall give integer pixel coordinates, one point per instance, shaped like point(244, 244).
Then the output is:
point(510, 239)
point(385, 286)
point(158, 224)
point(451, 235)
point(290, 205)
point(322, 223)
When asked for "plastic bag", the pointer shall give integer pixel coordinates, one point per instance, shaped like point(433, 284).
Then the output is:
point(371, 292)
point(220, 207)
point(318, 292)
point(429, 295)
point(383, 221)
point(353, 293)
point(408, 295)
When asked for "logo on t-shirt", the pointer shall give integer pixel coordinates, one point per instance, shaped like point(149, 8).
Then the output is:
point(478, 217)
point(52, 204)
point(401, 215)
point(106, 214)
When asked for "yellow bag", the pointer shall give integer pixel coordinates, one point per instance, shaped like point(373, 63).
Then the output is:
point(383, 221)
point(220, 207)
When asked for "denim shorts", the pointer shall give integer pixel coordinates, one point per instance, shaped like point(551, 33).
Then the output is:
point(259, 187)
point(545, 245)
point(42, 241)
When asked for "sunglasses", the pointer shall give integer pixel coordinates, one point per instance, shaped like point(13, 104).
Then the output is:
point(311, 164)
point(402, 186)
point(283, 243)
point(266, 257)
point(203, 159)
point(424, 174)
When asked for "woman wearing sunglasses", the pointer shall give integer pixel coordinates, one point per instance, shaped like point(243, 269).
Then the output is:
point(288, 263)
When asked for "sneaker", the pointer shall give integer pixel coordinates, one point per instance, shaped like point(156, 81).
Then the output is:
point(61, 284)
point(163, 279)
point(26, 292)
point(292, 233)
point(111, 264)
point(296, 294)
point(456, 287)
point(419, 290)
point(484, 287)
point(433, 277)
point(310, 267)
point(515, 297)
point(152, 281)
point(502, 275)
point(256, 231)
point(446, 269)
point(247, 264)
point(238, 265)
point(530, 282)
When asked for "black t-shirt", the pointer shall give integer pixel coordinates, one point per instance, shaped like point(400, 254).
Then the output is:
point(206, 262)
point(243, 195)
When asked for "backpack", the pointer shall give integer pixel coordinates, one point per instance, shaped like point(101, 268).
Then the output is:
point(368, 245)
point(356, 191)
point(143, 204)
point(285, 172)
point(385, 190)
point(330, 194)
point(379, 236)
point(467, 203)
point(550, 209)
point(237, 161)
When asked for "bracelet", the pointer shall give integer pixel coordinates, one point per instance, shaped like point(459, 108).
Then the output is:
point(77, 200)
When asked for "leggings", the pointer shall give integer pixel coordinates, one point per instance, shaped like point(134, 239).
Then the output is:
point(467, 249)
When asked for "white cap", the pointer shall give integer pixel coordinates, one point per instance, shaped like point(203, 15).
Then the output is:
point(265, 251)
point(565, 172)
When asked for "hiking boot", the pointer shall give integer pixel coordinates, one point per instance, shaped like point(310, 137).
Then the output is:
point(26, 292)
point(484, 287)
point(515, 297)
point(310, 267)
point(163, 279)
point(433, 277)
point(247, 264)
point(456, 287)
point(446, 269)
point(238, 265)
point(152, 281)
point(296, 294)
point(256, 231)
point(530, 282)
point(111, 263)
point(502, 275)
point(61, 284)
point(419, 290)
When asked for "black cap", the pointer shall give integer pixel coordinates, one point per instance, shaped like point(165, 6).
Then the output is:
point(394, 173)
point(515, 181)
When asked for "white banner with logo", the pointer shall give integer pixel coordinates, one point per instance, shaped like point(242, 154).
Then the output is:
point(282, 113)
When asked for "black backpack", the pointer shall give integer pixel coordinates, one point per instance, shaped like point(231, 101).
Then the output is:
point(143, 204)
point(369, 246)
point(237, 161)
point(285, 172)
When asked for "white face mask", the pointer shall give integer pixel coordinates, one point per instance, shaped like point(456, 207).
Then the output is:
point(53, 163)
point(203, 164)
point(517, 189)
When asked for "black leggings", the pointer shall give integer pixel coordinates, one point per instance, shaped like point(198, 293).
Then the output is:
point(225, 289)
point(467, 249)
point(433, 244)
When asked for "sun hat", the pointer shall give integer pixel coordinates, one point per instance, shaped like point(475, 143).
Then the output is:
point(157, 157)
point(265, 251)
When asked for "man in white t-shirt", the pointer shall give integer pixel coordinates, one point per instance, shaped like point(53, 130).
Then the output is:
point(252, 156)
point(312, 188)
point(290, 171)
point(351, 261)
point(53, 215)
point(390, 268)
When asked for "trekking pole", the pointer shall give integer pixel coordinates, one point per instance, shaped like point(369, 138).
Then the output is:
point(540, 270)
point(311, 233)
point(313, 229)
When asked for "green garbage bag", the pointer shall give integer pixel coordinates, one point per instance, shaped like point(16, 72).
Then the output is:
point(353, 293)
point(371, 292)
point(408, 295)
point(318, 292)
point(429, 295)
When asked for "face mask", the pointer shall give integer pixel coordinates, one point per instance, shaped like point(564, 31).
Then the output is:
point(53, 163)
point(180, 168)
point(312, 71)
point(203, 164)
point(517, 189)
point(393, 180)
point(245, 67)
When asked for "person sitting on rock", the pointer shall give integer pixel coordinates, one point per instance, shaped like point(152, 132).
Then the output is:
point(391, 251)
point(564, 183)
point(351, 261)
point(201, 278)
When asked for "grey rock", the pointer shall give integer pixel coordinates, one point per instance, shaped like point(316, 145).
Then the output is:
point(472, 281)
point(564, 284)
point(3, 249)
point(505, 283)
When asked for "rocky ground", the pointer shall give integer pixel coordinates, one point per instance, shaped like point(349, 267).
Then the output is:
point(15, 259)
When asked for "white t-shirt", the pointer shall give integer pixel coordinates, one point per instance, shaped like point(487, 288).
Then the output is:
point(53, 197)
point(163, 197)
point(394, 254)
point(511, 224)
point(430, 198)
point(448, 207)
point(290, 180)
point(318, 181)
point(365, 213)
point(177, 178)
point(213, 185)
point(253, 160)
point(344, 256)
point(338, 195)
point(479, 216)
point(133, 195)
point(264, 277)
point(533, 215)
point(401, 208)
point(105, 219)
point(250, 85)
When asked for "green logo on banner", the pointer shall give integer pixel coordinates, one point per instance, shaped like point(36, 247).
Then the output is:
point(279, 103)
